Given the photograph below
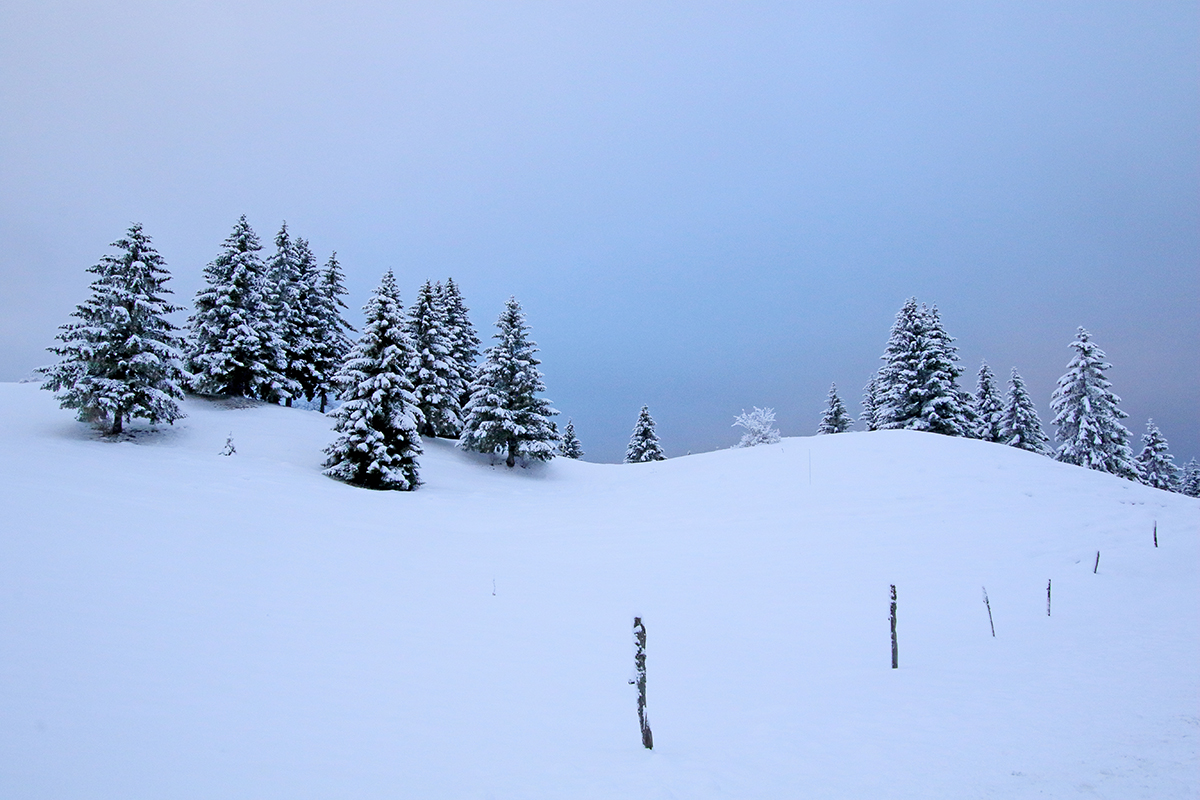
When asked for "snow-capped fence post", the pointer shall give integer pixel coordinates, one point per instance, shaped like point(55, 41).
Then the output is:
point(988, 603)
point(1156, 533)
point(892, 619)
point(1097, 566)
point(639, 662)
point(1048, 598)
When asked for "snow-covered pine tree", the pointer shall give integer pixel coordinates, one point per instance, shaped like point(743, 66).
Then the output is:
point(1189, 484)
point(234, 348)
point(1090, 432)
point(835, 419)
point(870, 404)
point(918, 384)
point(434, 374)
point(330, 332)
point(122, 359)
point(643, 444)
point(989, 410)
point(378, 443)
point(464, 343)
point(1156, 465)
point(283, 292)
point(504, 414)
point(569, 445)
point(759, 425)
point(1020, 425)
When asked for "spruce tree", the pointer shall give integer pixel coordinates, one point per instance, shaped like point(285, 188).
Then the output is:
point(870, 404)
point(835, 419)
point(918, 384)
point(643, 444)
point(234, 348)
point(568, 445)
point(989, 411)
point(330, 331)
point(1189, 484)
point(464, 343)
point(378, 444)
point(1087, 418)
point(283, 293)
point(1020, 425)
point(434, 374)
point(1156, 465)
point(122, 359)
point(504, 413)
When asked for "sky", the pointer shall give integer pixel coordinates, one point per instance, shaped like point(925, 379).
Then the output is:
point(702, 207)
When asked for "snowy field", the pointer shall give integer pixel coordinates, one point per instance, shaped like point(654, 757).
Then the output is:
point(179, 624)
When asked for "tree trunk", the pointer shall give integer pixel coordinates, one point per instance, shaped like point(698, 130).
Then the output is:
point(118, 423)
point(511, 461)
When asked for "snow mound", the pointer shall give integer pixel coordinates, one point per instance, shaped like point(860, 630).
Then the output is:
point(179, 623)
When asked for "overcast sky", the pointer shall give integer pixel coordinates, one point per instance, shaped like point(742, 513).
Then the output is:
point(702, 206)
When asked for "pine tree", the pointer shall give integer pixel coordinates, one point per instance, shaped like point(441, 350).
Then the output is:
point(759, 425)
point(1156, 465)
point(378, 444)
point(870, 404)
point(504, 414)
point(1189, 484)
point(989, 411)
point(835, 419)
point(1090, 432)
point(122, 359)
point(568, 445)
point(918, 384)
point(434, 374)
point(1019, 423)
point(464, 343)
point(234, 348)
point(283, 292)
point(643, 445)
point(330, 331)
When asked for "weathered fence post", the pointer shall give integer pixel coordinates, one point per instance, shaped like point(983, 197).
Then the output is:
point(1048, 598)
point(1156, 533)
point(892, 618)
point(1097, 563)
point(639, 662)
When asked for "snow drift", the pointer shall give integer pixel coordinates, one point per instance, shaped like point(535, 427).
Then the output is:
point(178, 623)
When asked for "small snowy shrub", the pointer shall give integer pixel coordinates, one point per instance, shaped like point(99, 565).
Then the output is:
point(759, 425)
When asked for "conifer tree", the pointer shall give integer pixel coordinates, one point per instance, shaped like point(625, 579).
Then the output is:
point(1090, 432)
point(1156, 465)
point(330, 331)
point(918, 384)
point(568, 445)
point(1020, 425)
point(122, 359)
point(1189, 484)
point(283, 292)
point(835, 419)
point(870, 404)
point(504, 414)
point(989, 411)
point(643, 445)
point(378, 443)
point(234, 348)
point(434, 373)
point(464, 343)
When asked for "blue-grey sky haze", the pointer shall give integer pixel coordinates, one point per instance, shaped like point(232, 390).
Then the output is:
point(701, 206)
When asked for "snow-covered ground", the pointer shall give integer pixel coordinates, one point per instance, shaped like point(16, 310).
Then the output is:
point(179, 624)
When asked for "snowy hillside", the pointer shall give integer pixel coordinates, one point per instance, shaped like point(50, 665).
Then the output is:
point(179, 624)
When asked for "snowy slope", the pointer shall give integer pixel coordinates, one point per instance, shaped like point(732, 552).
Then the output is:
point(179, 624)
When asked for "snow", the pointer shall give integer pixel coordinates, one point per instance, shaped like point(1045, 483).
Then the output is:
point(177, 623)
